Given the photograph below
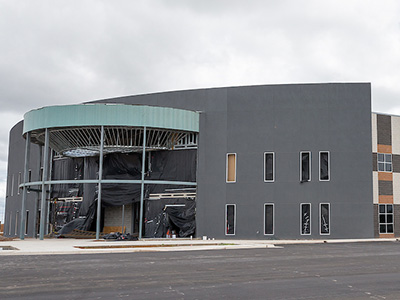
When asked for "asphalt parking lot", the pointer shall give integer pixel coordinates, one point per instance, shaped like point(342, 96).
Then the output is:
point(310, 271)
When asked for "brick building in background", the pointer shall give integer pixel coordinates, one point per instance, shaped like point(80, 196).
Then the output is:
point(386, 174)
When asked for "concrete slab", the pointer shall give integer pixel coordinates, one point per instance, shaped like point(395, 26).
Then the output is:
point(79, 246)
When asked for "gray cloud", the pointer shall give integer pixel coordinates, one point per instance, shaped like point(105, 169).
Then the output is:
point(60, 52)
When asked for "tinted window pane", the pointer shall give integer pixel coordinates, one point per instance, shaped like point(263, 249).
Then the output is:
point(382, 218)
point(389, 208)
point(382, 228)
point(388, 157)
point(324, 219)
point(305, 219)
point(230, 219)
point(381, 157)
point(382, 208)
point(389, 228)
point(389, 219)
point(305, 166)
point(324, 165)
point(269, 167)
point(269, 219)
point(381, 167)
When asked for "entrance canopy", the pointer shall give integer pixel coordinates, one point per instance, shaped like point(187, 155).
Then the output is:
point(75, 130)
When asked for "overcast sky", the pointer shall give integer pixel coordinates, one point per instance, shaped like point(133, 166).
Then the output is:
point(62, 52)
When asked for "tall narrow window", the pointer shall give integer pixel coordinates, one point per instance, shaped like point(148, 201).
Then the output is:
point(231, 167)
point(9, 223)
point(12, 185)
point(305, 218)
point(268, 219)
point(269, 166)
point(305, 166)
point(26, 222)
point(19, 181)
point(384, 162)
point(324, 162)
point(324, 222)
point(29, 179)
point(16, 223)
point(41, 174)
point(230, 219)
point(386, 218)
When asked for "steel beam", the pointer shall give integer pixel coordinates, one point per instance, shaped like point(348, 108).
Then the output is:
point(142, 183)
point(24, 189)
point(99, 184)
point(43, 202)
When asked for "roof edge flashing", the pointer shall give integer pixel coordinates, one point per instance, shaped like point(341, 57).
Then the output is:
point(107, 114)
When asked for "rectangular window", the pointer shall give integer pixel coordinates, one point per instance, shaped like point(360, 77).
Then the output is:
point(385, 218)
point(26, 222)
point(19, 181)
point(29, 179)
point(12, 185)
point(384, 162)
point(41, 174)
point(16, 222)
point(268, 219)
point(325, 218)
point(324, 169)
point(230, 219)
point(231, 167)
point(305, 166)
point(305, 218)
point(9, 223)
point(269, 166)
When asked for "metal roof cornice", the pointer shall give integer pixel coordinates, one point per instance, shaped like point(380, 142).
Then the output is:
point(111, 115)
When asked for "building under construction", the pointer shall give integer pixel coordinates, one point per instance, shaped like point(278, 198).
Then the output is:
point(257, 162)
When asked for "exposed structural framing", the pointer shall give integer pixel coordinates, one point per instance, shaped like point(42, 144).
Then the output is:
point(72, 139)
point(85, 141)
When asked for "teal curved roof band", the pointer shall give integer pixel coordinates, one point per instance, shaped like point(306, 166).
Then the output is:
point(111, 115)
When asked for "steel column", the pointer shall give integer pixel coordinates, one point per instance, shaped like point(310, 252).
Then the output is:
point(24, 189)
point(99, 184)
point(123, 216)
point(142, 184)
point(43, 202)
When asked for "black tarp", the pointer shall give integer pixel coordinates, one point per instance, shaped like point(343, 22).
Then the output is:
point(170, 215)
point(177, 165)
point(67, 168)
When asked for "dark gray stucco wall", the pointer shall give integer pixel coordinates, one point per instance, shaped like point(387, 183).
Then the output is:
point(284, 119)
point(16, 158)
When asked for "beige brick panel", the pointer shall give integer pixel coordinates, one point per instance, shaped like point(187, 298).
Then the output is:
point(374, 134)
point(396, 188)
point(375, 185)
point(396, 134)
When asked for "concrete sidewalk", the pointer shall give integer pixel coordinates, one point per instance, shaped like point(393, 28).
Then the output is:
point(80, 246)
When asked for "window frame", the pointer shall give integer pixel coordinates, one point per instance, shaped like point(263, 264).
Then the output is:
point(301, 166)
point(16, 222)
point(12, 184)
point(273, 218)
point(384, 162)
point(329, 165)
point(10, 223)
point(386, 214)
point(29, 180)
point(19, 182)
point(329, 217)
point(273, 166)
point(26, 222)
point(226, 219)
point(301, 218)
point(227, 168)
